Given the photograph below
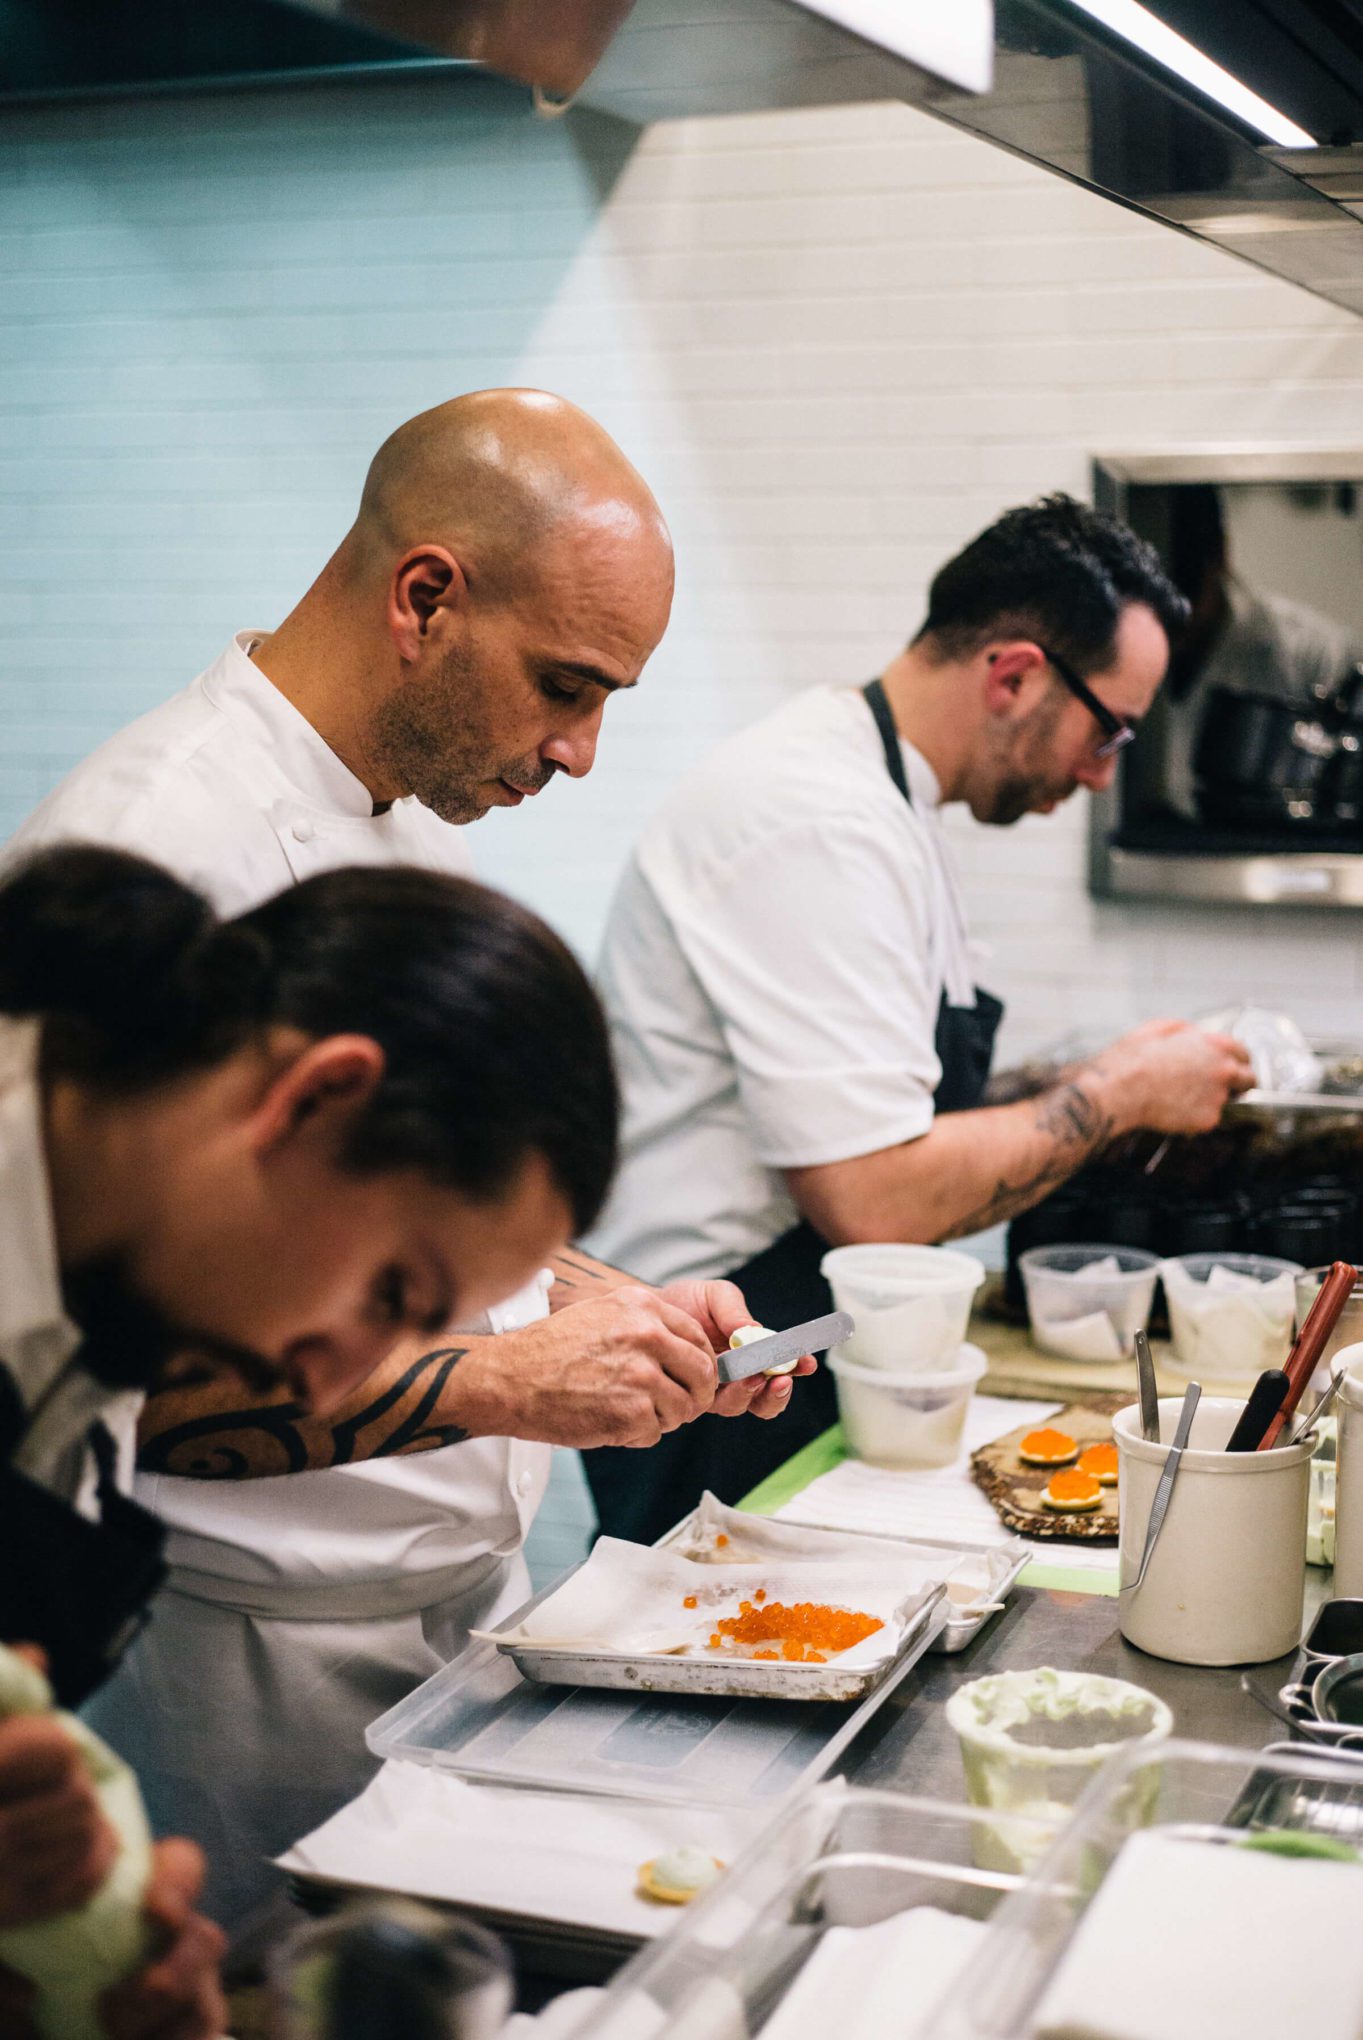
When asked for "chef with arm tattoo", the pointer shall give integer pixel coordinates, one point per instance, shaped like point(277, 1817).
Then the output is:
point(803, 1049)
point(508, 572)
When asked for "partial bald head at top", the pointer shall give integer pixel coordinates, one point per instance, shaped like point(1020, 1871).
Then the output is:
point(507, 572)
point(497, 472)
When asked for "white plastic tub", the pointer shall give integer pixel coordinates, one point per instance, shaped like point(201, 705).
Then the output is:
point(1031, 1741)
point(1230, 1315)
point(912, 1418)
point(1224, 1584)
point(912, 1304)
point(1088, 1303)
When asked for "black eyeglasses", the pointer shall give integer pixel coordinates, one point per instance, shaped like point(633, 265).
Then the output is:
point(1117, 732)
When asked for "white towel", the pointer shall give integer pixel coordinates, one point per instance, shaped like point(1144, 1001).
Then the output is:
point(868, 1983)
point(1190, 1940)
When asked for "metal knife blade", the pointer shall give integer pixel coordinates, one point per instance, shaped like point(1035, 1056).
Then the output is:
point(1145, 1377)
point(816, 1335)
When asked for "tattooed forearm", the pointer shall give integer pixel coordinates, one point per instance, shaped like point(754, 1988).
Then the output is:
point(1072, 1118)
point(235, 1439)
point(577, 1276)
point(1076, 1126)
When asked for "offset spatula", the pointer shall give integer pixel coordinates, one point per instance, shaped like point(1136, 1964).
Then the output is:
point(816, 1335)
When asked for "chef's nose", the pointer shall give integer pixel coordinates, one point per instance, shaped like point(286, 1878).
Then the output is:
point(574, 751)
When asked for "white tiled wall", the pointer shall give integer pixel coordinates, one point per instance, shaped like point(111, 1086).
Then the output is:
point(837, 342)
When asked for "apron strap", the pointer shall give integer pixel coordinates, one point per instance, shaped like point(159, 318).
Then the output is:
point(874, 694)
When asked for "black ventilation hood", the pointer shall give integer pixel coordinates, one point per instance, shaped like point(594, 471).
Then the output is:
point(1065, 93)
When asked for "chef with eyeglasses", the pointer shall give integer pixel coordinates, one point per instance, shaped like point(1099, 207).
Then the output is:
point(804, 1051)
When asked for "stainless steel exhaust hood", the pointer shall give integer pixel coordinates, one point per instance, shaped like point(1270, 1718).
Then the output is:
point(1065, 92)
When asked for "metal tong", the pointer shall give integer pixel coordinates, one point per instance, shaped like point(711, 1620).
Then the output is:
point(1159, 1508)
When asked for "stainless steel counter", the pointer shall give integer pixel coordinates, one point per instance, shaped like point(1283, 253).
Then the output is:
point(909, 1745)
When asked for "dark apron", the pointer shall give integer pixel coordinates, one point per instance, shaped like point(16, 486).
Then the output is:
point(77, 1587)
point(639, 1495)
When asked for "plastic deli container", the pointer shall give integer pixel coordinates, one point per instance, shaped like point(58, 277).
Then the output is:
point(1224, 1583)
point(1230, 1315)
point(1088, 1303)
point(911, 1418)
point(1031, 1741)
point(912, 1304)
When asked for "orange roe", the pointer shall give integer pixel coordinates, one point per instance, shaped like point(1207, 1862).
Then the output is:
point(761, 1594)
point(720, 1541)
point(1073, 1487)
point(1052, 1448)
point(690, 1601)
point(1100, 1461)
point(808, 1633)
point(716, 1640)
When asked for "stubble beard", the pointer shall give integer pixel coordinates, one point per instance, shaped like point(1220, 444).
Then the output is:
point(427, 739)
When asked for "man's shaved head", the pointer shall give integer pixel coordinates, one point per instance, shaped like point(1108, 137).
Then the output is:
point(508, 571)
point(493, 475)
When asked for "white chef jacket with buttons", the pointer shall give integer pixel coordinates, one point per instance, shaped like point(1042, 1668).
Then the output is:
point(299, 1606)
point(773, 966)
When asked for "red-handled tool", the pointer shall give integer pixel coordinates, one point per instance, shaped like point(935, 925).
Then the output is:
point(1302, 1361)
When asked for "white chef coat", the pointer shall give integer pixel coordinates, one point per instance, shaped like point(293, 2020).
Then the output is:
point(773, 966)
point(37, 1340)
point(298, 1607)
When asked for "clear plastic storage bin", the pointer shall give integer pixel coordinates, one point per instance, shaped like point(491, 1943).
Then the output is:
point(843, 1862)
point(1188, 1790)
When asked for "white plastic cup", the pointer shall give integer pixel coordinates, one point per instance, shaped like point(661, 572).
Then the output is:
point(1232, 1339)
point(912, 1418)
point(1224, 1584)
point(1078, 1312)
point(1349, 1474)
point(1036, 1783)
point(912, 1304)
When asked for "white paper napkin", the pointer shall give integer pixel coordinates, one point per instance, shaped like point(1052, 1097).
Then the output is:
point(1190, 1940)
point(539, 1855)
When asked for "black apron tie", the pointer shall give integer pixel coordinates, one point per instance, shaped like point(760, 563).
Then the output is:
point(640, 1496)
point(77, 1587)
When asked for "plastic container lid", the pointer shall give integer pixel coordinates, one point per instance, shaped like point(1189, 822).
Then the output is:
point(1075, 1263)
point(895, 1270)
point(1263, 1267)
point(908, 1382)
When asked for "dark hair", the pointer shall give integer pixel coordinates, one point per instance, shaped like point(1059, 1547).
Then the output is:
point(1197, 535)
point(494, 1042)
point(1055, 571)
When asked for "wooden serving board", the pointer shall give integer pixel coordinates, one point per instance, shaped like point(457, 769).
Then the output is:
point(1015, 1488)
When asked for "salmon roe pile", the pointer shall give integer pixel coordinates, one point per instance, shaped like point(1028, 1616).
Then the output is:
point(806, 1634)
point(1048, 1444)
point(1100, 1461)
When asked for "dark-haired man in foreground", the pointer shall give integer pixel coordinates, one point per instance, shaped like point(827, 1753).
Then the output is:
point(803, 1049)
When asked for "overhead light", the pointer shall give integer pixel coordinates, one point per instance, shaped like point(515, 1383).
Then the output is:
point(1136, 24)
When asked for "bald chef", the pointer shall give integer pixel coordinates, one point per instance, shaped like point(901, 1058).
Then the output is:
point(507, 573)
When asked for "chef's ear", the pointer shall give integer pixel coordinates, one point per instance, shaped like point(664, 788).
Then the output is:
point(320, 1090)
point(428, 583)
point(1013, 672)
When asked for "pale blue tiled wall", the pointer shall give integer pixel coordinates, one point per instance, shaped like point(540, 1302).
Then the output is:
point(211, 311)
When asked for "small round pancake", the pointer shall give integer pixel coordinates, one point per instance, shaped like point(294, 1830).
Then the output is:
point(1101, 1462)
point(1072, 1493)
point(1048, 1448)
